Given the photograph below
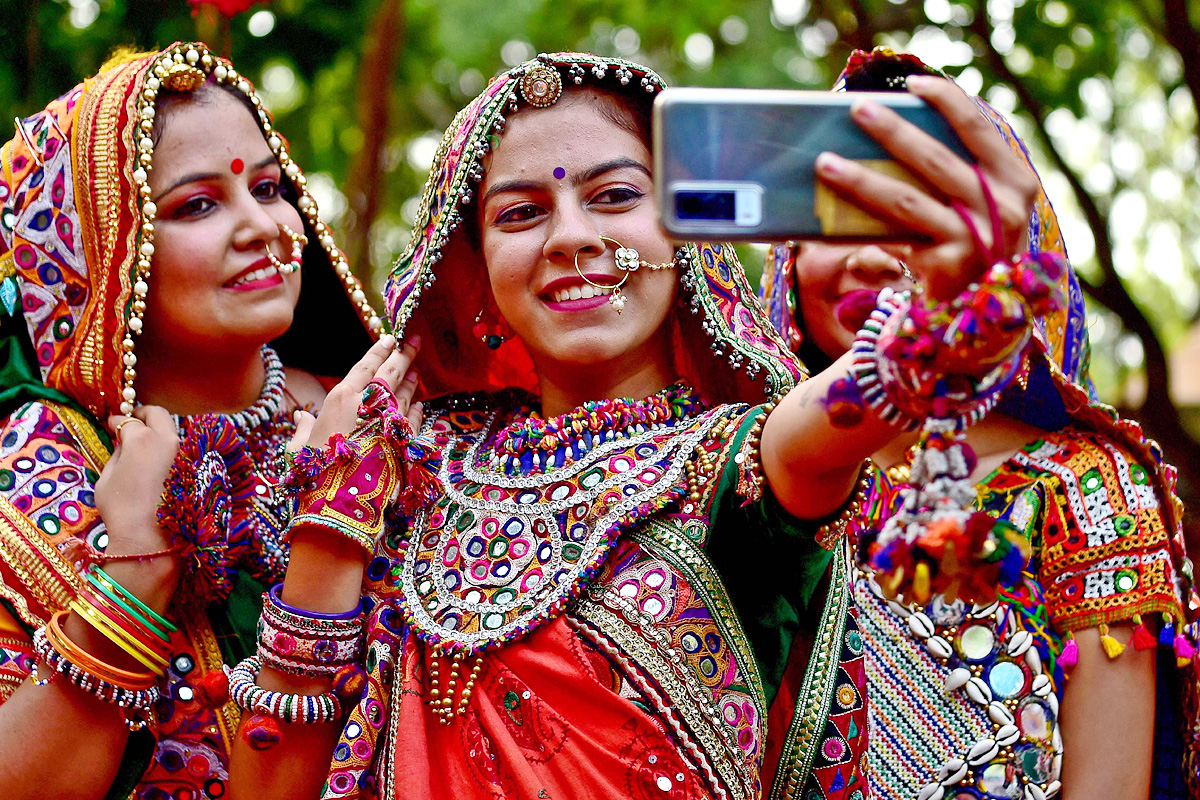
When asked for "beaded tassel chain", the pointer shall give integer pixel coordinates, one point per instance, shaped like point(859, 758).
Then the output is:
point(942, 367)
point(443, 694)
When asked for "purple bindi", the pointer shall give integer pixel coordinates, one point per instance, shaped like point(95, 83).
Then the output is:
point(560, 173)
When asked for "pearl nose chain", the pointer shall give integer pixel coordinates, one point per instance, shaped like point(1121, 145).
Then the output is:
point(299, 242)
point(628, 261)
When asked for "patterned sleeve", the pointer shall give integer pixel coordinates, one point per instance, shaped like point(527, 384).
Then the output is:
point(768, 560)
point(1105, 554)
point(48, 516)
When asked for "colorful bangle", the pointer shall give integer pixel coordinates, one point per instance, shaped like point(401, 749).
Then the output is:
point(147, 658)
point(291, 708)
point(275, 596)
point(107, 591)
point(307, 643)
point(146, 637)
point(77, 655)
point(156, 618)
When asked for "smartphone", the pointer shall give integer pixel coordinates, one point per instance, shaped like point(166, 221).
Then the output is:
point(738, 164)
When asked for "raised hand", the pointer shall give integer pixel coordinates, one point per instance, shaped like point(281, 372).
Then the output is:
point(339, 413)
point(957, 231)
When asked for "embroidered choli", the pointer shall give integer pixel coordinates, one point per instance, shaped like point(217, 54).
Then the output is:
point(951, 685)
point(624, 648)
point(50, 460)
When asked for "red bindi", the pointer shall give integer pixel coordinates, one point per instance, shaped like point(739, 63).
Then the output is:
point(237, 166)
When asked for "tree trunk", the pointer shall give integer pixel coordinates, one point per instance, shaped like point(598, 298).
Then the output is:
point(365, 181)
point(1158, 414)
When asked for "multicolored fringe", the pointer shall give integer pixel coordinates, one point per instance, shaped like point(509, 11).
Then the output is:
point(207, 509)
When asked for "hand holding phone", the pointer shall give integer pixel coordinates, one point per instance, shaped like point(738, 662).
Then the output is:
point(969, 214)
point(740, 163)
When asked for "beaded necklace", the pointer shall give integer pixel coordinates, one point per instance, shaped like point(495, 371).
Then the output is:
point(533, 444)
point(269, 402)
point(266, 426)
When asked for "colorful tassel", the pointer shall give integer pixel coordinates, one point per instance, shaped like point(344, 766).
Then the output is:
point(1112, 648)
point(1166, 637)
point(261, 732)
point(1069, 656)
point(1143, 639)
point(1184, 651)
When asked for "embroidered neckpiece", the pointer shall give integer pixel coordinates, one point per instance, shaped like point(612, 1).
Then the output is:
point(532, 443)
point(500, 554)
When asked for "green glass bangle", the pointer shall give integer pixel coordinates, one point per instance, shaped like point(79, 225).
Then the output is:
point(100, 586)
point(150, 612)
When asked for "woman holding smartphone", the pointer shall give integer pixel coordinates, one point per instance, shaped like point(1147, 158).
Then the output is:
point(607, 568)
point(1096, 503)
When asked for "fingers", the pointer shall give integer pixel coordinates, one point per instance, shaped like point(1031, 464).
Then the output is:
point(396, 365)
point(975, 129)
point(304, 428)
point(416, 415)
point(157, 419)
point(894, 199)
point(369, 364)
point(406, 390)
point(924, 155)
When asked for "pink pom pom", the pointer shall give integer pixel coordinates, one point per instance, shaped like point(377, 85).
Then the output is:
point(1184, 650)
point(1069, 656)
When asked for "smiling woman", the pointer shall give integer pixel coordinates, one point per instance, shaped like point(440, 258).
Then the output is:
point(608, 569)
point(152, 224)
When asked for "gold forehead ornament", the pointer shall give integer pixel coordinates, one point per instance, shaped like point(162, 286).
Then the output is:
point(541, 86)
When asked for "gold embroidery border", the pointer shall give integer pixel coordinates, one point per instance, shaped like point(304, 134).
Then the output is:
point(84, 432)
point(816, 693)
point(705, 723)
point(51, 581)
point(664, 541)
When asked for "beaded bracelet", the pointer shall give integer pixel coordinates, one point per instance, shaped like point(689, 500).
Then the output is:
point(307, 643)
point(904, 391)
point(300, 709)
point(135, 693)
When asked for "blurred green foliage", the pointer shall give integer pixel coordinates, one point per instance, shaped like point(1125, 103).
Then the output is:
point(1112, 95)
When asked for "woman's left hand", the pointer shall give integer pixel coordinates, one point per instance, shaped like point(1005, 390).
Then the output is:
point(947, 256)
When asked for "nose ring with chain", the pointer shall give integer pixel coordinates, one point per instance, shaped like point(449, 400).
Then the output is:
point(628, 260)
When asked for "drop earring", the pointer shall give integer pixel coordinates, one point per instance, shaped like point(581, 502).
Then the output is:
point(493, 336)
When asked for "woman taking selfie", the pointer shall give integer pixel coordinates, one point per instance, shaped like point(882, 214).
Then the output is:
point(167, 294)
point(1095, 502)
point(606, 572)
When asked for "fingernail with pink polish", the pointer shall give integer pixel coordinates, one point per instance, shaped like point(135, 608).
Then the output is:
point(829, 164)
point(864, 110)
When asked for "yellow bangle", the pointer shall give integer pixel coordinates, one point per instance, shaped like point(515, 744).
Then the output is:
point(152, 661)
